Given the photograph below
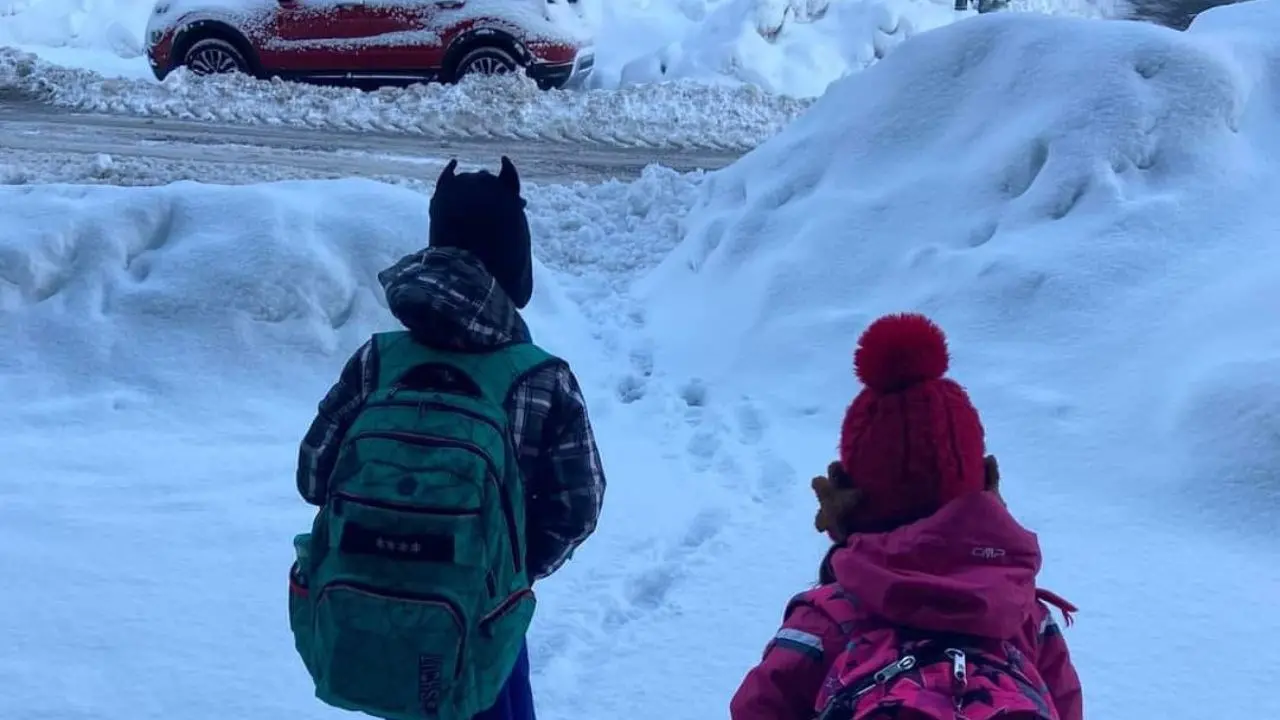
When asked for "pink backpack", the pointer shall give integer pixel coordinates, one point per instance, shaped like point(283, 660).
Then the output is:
point(892, 673)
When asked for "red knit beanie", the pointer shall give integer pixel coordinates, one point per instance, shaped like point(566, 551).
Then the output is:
point(911, 440)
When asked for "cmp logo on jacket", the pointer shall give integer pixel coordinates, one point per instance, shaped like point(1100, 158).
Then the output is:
point(988, 553)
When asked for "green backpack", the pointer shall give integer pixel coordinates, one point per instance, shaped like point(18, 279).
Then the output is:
point(410, 598)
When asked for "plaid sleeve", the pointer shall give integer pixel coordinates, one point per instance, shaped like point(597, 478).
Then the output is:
point(338, 408)
point(566, 495)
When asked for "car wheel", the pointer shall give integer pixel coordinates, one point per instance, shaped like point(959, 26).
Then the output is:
point(487, 60)
point(215, 56)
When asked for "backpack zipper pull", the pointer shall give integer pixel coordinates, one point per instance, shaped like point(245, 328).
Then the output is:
point(958, 671)
point(842, 702)
point(888, 673)
point(959, 675)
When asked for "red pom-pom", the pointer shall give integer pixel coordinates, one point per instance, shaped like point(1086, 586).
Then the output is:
point(899, 351)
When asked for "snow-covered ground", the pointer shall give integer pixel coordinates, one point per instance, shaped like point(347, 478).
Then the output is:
point(1100, 253)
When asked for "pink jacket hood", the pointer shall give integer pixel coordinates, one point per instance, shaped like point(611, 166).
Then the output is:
point(968, 568)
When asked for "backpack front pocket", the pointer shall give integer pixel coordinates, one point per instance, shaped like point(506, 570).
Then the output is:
point(390, 653)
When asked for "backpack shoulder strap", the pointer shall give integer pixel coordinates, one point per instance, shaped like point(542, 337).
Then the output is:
point(402, 361)
point(502, 370)
point(395, 353)
point(831, 601)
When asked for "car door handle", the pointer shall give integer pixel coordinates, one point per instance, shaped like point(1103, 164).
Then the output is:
point(449, 4)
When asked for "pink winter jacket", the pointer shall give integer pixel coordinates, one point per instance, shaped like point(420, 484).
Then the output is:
point(969, 568)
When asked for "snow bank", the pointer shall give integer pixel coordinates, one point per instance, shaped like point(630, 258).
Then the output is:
point(667, 115)
point(792, 47)
point(110, 26)
point(1088, 210)
point(107, 288)
point(164, 349)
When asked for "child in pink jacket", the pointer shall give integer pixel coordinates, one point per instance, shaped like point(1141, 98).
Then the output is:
point(927, 605)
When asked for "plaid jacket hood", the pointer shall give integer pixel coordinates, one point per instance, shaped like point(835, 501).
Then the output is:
point(446, 297)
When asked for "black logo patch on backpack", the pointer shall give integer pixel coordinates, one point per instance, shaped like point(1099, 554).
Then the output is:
point(429, 669)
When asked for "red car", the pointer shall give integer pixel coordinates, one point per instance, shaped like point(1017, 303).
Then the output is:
point(372, 42)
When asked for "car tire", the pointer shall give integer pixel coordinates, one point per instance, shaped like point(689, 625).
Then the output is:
point(215, 56)
point(486, 60)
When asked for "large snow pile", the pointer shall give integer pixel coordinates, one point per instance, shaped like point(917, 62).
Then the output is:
point(1088, 209)
point(113, 26)
point(794, 47)
point(138, 285)
point(106, 35)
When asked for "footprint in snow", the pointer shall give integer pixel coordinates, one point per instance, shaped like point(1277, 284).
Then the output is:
point(649, 589)
point(777, 476)
point(751, 424)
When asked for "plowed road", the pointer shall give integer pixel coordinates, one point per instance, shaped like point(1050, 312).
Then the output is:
point(30, 129)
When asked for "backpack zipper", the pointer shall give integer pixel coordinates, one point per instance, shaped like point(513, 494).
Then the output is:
point(843, 701)
point(398, 507)
point(436, 405)
point(503, 608)
point(455, 612)
point(508, 511)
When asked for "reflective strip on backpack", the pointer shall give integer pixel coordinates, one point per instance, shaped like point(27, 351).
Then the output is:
point(799, 641)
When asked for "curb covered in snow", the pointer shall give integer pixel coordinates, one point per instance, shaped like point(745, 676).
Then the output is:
point(663, 115)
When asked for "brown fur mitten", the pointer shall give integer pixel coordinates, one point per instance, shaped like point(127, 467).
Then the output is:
point(837, 500)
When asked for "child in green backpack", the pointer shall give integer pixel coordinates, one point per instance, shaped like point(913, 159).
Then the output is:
point(459, 302)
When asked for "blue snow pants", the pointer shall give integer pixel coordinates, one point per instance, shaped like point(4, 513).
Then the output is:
point(515, 701)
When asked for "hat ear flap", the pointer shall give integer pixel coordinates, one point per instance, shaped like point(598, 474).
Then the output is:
point(509, 177)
